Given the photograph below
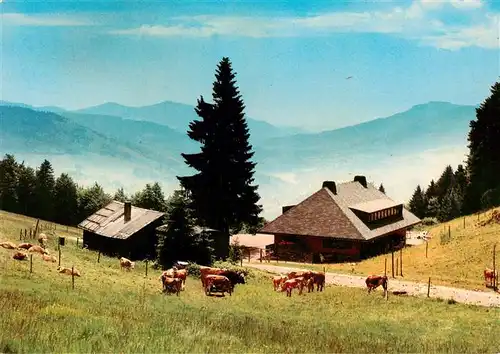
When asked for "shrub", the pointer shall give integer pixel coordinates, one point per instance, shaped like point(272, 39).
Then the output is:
point(235, 253)
point(193, 270)
point(428, 221)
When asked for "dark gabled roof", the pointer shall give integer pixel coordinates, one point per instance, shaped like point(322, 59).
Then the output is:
point(110, 222)
point(329, 215)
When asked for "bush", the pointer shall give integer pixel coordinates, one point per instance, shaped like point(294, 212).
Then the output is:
point(235, 253)
point(193, 270)
point(231, 266)
point(429, 221)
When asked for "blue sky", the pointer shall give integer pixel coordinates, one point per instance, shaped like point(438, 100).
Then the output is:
point(292, 58)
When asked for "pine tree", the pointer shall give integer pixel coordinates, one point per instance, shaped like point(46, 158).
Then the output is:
point(221, 192)
point(26, 190)
point(180, 241)
point(44, 191)
point(460, 185)
point(151, 197)
point(8, 183)
point(483, 162)
point(417, 203)
point(65, 201)
point(381, 188)
point(91, 199)
point(431, 190)
point(120, 195)
point(445, 182)
point(449, 206)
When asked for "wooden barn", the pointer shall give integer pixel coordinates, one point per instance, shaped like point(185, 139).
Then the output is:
point(340, 222)
point(120, 229)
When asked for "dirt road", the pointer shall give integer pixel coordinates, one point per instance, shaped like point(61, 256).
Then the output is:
point(487, 298)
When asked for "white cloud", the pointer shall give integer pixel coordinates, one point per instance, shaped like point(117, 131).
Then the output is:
point(420, 21)
point(19, 19)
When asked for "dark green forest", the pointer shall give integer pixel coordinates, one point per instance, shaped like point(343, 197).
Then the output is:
point(474, 186)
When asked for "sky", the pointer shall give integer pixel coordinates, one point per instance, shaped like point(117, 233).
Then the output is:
point(314, 64)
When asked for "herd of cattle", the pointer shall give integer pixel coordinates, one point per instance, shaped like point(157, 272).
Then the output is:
point(213, 279)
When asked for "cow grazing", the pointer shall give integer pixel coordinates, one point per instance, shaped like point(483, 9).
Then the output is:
point(489, 276)
point(24, 245)
point(176, 273)
point(171, 285)
point(374, 281)
point(126, 263)
point(20, 256)
point(217, 283)
point(278, 280)
point(8, 245)
point(49, 258)
point(42, 239)
point(319, 280)
point(205, 271)
point(290, 284)
point(68, 271)
point(38, 249)
point(234, 277)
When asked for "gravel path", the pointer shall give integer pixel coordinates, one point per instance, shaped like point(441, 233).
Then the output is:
point(489, 298)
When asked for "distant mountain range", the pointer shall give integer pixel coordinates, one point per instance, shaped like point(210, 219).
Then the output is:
point(151, 138)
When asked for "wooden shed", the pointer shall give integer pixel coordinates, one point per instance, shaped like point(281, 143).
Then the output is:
point(120, 229)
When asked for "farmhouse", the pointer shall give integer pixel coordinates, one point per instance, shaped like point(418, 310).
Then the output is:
point(346, 221)
point(120, 229)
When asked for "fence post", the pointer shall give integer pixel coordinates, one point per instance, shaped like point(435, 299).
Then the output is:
point(385, 266)
point(261, 255)
point(59, 249)
point(31, 230)
point(77, 242)
point(429, 287)
point(31, 263)
point(426, 247)
point(397, 266)
point(449, 233)
point(248, 249)
point(392, 267)
point(25, 233)
point(98, 256)
point(73, 277)
point(146, 268)
point(241, 260)
point(495, 275)
point(464, 222)
point(21, 235)
point(401, 262)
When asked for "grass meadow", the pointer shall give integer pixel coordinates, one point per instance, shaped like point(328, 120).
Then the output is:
point(457, 261)
point(117, 311)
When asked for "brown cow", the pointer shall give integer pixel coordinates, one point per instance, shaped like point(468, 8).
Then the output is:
point(24, 245)
point(319, 280)
point(126, 263)
point(171, 285)
point(489, 275)
point(20, 256)
point(38, 249)
point(374, 281)
point(8, 245)
point(278, 280)
point(49, 258)
point(64, 270)
point(290, 284)
point(205, 271)
point(218, 283)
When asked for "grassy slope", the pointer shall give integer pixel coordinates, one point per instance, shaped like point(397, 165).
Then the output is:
point(458, 263)
point(114, 311)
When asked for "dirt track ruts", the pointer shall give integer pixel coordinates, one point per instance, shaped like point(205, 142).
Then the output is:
point(487, 298)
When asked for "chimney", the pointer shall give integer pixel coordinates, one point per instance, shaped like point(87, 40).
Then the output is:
point(361, 180)
point(286, 208)
point(127, 214)
point(331, 186)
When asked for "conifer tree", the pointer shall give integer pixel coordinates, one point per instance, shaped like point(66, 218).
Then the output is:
point(381, 188)
point(26, 190)
point(65, 201)
point(151, 197)
point(221, 193)
point(91, 199)
point(120, 195)
point(445, 182)
point(483, 162)
point(417, 203)
point(8, 183)
point(44, 191)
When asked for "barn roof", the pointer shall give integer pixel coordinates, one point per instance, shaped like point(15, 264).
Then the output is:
point(110, 222)
point(329, 214)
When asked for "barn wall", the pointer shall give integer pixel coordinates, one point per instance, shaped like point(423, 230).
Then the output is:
point(106, 245)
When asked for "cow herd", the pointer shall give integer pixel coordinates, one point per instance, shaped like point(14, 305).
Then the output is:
point(299, 280)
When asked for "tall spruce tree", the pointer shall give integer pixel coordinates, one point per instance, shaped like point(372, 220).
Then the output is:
point(483, 161)
point(222, 193)
point(445, 182)
point(26, 190)
point(120, 195)
point(44, 191)
point(381, 188)
point(8, 183)
point(417, 204)
point(151, 197)
point(65, 201)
